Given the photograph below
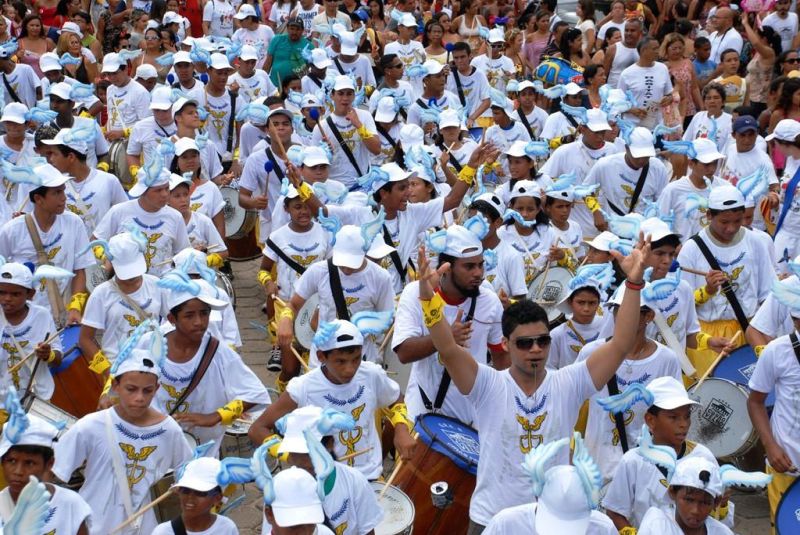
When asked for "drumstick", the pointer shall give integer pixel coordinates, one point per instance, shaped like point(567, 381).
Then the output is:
point(722, 354)
point(546, 269)
point(47, 340)
point(396, 470)
point(694, 271)
point(274, 135)
point(282, 303)
point(354, 454)
point(386, 339)
point(142, 511)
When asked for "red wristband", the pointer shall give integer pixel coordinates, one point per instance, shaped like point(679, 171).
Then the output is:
point(635, 286)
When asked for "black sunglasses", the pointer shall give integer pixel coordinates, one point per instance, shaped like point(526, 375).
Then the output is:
point(525, 343)
point(791, 60)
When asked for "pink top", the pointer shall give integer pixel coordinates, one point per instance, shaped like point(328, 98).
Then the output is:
point(533, 50)
point(32, 59)
point(683, 77)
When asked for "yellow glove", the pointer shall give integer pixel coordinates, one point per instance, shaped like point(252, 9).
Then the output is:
point(263, 277)
point(133, 170)
point(213, 260)
point(99, 363)
point(107, 386)
point(99, 252)
point(103, 166)
point(236, 153)
point(86, 115)
point(231, 411)
point(305, 191)
point(126, 133)
point(433, 310)
point(720, 512)
point(364, 133)
point(467, 174)
point(78, 301)
point(701, 295)
point(280, 386)
point(591, 203)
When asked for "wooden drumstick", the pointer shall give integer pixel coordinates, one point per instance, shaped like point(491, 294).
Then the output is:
point(386, 339)
point(274, 135)
point(354, 454)
point(49, 339)
point(720, 356)
point(396, 470)
point(131, 519)
point(546, 269)
point(694, 271)
point(297, 355)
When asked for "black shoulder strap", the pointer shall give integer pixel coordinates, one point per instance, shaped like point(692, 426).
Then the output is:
point(10, 89)
point(570, 119)
point(382, 131)
point(444, 384)
point(461, 96)
point(525, 122)
point(338, 292)
point(453, 159)
point(637, 191)
point(275, 167)
point(339, 65)
point(726, 287)
point(315, 80)
point(176, 85)
point(177, 526)
point(202, 368)
point(232, 121)
point(795, 346)
point(619, 418)
point(395, 256)
point(421, 104)
point(345, 148)
point(291, 263)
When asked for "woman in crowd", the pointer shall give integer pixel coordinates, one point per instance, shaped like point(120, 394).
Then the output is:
point(33, 43)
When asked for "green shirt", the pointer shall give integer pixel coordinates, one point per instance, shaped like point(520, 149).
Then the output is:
point(287, 57)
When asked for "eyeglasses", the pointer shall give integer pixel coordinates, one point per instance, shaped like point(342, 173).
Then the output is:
point(525, 343)
point(791, 60)
point(152, 38)
point(191, 492)
point(398, 66)
point(497, 45)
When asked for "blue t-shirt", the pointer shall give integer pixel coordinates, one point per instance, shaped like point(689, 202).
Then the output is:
point(703, 69)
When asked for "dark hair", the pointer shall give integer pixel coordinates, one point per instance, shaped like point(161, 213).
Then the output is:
point(41, 190)
point(431, 23)
point(380, 9)
point(683, 26)
point(590, 71)
point(45, 131)
point(157, 10)
point(541, 217)
point(66, 151)
point(768, 34)
point(781, 60)
point(714, 86)
point(746, 110)
point(85, 16)
point(522, 312)
point(46, 453)
point(21, 9)
point(671, 239)
point(701, 41)
point(62, 8)
point(386, 60)
point(609, 34)
point(273, 100)
point(728, 51)
point(712, 212)
point(646, 40)
point(345, 349)
point(485, 209)
point(24, 25)
point(590, 289)
point(462, 46)
point(588, 9)
point(566, 38)
point(790, 87)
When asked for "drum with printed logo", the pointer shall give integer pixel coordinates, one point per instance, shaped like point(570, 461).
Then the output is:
point(440, 478)
point(240, 227)
point(787, 517)
point(118, 162)
point(548, 289)
point(77, 388)
point(558, 71)
point(738, 367)
point(95, 276)
point(398, 511)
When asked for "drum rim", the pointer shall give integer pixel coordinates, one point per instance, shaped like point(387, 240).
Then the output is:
point(299, 315)
point(796, 483)
point(434, 439)
point(66, 362)
point(752, 437)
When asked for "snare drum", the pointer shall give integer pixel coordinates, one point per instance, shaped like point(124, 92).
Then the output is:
point(238, 221)
point(448, 453)
point(720, 422)
point(118, 162)
point(95, 276)
point(171, 507)
point(77, 388)
point(787, 517)
point(235, 442)
point(49, 412)
point(738, 367)
point(548, 289)
point(304, 322)
point(398, 511)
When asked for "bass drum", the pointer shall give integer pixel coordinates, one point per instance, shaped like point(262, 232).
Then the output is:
point(95, 276)
point(548, 289)
point(240, 227)
point(558, 71)
point(118, 162)
point(77, 388)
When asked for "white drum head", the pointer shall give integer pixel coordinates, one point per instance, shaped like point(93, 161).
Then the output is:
point(233, 213)
point(398, 510)
point(95, 276)
point(303, 331)
point(720, 422)
point(549, 288)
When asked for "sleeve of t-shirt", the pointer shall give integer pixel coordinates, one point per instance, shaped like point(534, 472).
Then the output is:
point(135, 147)
point(368, 512)
point(496, 331)
point(70, 451)
point(217, 202)
point(516, 276)
point(655, 523)
point(387, 391)
point(81, 243)
point(619, 496)
point(426, 214)
point(407, 322)
point(181, 237)
point(240, 381)
point(118, 194)
point(250, 179)
point(35, 81)
point(308, 283)
point(208, 11)
point(95, 313)
point(769, 316)
point(273, 44)
point(296, 390)
point(102, 231)
point(101, 146)
point(765, 374)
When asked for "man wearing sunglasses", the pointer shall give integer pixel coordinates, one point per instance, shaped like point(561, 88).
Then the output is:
point(524, 406)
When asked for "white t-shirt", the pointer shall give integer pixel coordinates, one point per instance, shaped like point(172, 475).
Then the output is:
point(387, 153)
point(741, 164)
point(509, 273)
point(222, 526)
point(602, 439)
point(409, 53)
point(369, 391)
point(219, 111)
point(601, 33)
point(661, 521)
point(127, 105)
point(474, 86)
point(249, 136)
point(226, 379)
point(23, 157)
point(785, 28)
point(24, 82)
point(778, 368)
point(305, 248)
point(202, 231)
point(498, 71)
point(98, 192)
point(533, 248)
point(262, 34)
point(220, 16)
point(648, 86)
point(704, 126)
point(36, 327)
point(307, 16)
point(341, 168)
point(165, 231)
point(255, 179)
point(773, 318)
point(522, 518)
point(68, 511)
point(536, 119)
point(107, 311)
point(352, 505)
point(672, 203)
point(504, 137)
point(571, 238)
point(747, 264)
point(280, 11)
point(206, 199)
point(447, 101)
point(618, 180)
point(360, 68)
point(258, 85)
point(558, 125)
point(569, 338)
point(512, 423)
point(426, 374)
point(720, 42)
point(145, 137)
point(146, 453)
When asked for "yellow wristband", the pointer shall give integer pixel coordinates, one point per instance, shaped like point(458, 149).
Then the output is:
point(567, 262)
point(628, 530)
point(433, 310)
point(363, 133)
point(133, 170)
point(213, 260)
point(286, 313)
point(398, 414)
point(263, 277)
point(78, 301)
point(554, 144)
point(3, 416)
point(591, 203)
point(86, 115)
point(280, 386)
point(103, 166)
point(467, 174)
point(701, 295)
point(305, 192)
point(758, 350)
point(99, 363)
point(99, 252)
point(702, 340)
point(107, 386)
point(126, 133)
point(230, 411)
point(273, 450)
point(51, 357)
point(236, 153)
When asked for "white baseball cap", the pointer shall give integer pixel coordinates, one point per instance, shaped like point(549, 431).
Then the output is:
point(517, 149)
point(197, 258)
point(49, 62)
point(449, 117)
point(493, 200)
point(512, 86)
point(525, 84)
point(139, 360)
point(395, 174)
point(496, 35)
point(181, 56)
point(343, 81)
point(170, 17)
point(310, 101)
point(785, 130)
point(140, 187)
point(345, 335)
point(63, 138)
point(603, 241)
point(706, 150)
point(314, 155)
point(462, 243)
point(62, 90)
point(51, 177)
point(179, 104)
point(573, 89)
point(385, 112)
point(296, 500)
point(432, 67)
point(71, 27)
point(246, 10)
point(526, 188)
point(298, 421)
point(348, 251)
point(656, 229)
point(669, 393)
point(16, 274)
point(641, 144)
point(408, 20)
point(411, 135)
point(200, 474)
point(161, 98)
point(597, 120)
point(111, 61)
point(15, 113)
point(205, 293)
point(39, 432)
point(700, 473)
point(219, 62)
point(184, 144)
point(126, 256)
point(248, 52)
point(725, 197)
point(176, 180)
point(349, 47)
point(563, 506)
point(146, 71)
point(320, 59)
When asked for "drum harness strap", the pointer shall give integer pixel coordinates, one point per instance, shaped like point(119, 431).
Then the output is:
point(726, 287)
point(118, 466)
point(619, 418)
point(205, 363)
point(338, 292)
point(233, 95)
point(524, 119)
point(395, 256)
point(444, 384)
point(382, 131)
point(340, 141)
point(453, 159)
point(275, 167)
point(129, 301)
point(460, 89)
point(795, 345)
point(283, 256)
point(10, 89)
point(636, 192)
point(53, 295)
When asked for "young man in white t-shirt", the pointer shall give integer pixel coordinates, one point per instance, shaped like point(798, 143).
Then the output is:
point(218, 18)
point(252, 32)
point(148, 133)
point(186, 79)
point(18, 146)
point(24, 84)
point(128, 102)
point(351, 63)
point(250, 81)
point(62, 101)
point(784, 23)
point(648, 80)
point(222, 106)
point(526, 405)
point(408, 50)
point(468, 83)
point(497, 67)
point(529, 114)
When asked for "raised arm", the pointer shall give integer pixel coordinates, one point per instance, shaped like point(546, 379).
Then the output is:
point(484, 153)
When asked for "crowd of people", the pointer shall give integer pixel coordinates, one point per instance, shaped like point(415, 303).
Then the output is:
point(527, 231)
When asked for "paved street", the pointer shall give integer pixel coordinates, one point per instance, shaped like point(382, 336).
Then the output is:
point(752, 516)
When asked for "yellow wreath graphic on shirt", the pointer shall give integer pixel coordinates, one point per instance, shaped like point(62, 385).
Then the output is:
point(136, 471)
point(527, 440)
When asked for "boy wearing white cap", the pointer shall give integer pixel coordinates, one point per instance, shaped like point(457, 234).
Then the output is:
point(206, 197)
point(528, 113)
point(518, 166)
point(62, 101)
point(408, 49)
point(30, 453)
point(163, 226)
point(249, 80)
point(199, 493)
point(187, 119)
point(125, 448)
point(203, 233)
point(388, 123)
point(497, 67)
point(147, 76)
point(433, 92)
point(21, 82)
point(148, 133)
point(91, 192)
point(252, 32)
point(119, 305)
point(16, 144)
point(560, 126)
point(351, 63)
point(787, 228)
point(222, 105)
point(127, 100)
point(505, 131)
point(318, 65)
point(468, 83)
point(627, 180)
point(51, 235)
point(352, 132)
point(296, 506)
point(521, 407)
point(186, 79)
point(739, 271)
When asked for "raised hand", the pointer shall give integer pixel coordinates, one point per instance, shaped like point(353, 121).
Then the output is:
point(635, 263)
point(427, 274)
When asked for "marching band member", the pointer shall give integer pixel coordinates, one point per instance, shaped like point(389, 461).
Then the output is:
point(203, 234)
point(126, 448)
point(469, 83)
point(433, 97)
point(519, 165)
point(388, 122)
point(148, 133)
point(528, 113)
point(294, 505)
point(249, 81)
point(63, 97)
point(550, 400)
point(185, 79)
point(187, 119)
point(128, 102)
point(222, 104)
point(16, 145)
point(205, 197)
